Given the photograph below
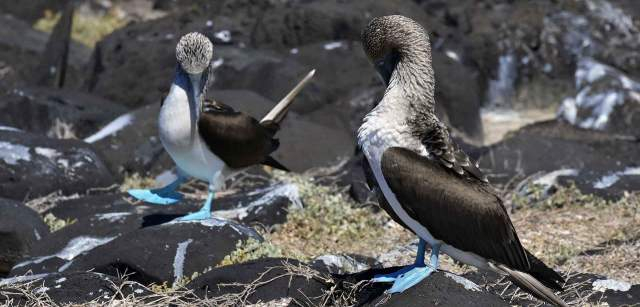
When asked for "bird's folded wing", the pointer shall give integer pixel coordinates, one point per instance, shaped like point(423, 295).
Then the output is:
point(444, 150)
point(236, 138)
point(373, 186)
point(460, 212)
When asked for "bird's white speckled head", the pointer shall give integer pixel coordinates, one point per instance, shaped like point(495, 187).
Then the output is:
point(194, 52)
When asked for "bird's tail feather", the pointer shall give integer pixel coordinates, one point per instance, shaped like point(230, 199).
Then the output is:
point(544, 274)
point(530, 284)
point(277, 114)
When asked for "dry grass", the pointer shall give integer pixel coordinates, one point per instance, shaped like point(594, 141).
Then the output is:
point(47, 202)
point(253, 249)
point(137, 181)
point(576, 294)
point(62, 130)
point(87, 28)
point(620, 262)
point(55, 223)
point(575, 231)
point(332, 223)
point(32, 297)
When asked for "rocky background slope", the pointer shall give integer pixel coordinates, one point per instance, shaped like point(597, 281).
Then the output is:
point(545, 94)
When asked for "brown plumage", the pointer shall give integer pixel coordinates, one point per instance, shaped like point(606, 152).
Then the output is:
point(420, 167)
point(428, 191)
point(443, 149)
point(237, 138)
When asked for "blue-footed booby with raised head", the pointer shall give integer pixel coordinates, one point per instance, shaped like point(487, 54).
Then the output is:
point(425, 181)
point(206, 139)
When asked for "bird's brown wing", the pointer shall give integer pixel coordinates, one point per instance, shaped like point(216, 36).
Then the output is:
point(237, 138)
point(443, 149)
point(382, 202)
point(459, 212)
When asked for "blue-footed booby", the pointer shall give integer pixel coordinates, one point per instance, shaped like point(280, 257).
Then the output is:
point(425, 181)
point(206, 139)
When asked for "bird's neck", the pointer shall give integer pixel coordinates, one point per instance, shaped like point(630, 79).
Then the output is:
point(413, 79)
point(189, 84)
point(408, 106)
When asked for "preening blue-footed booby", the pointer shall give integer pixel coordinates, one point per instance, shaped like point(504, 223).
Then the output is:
point(425, 181)
point(206, 139)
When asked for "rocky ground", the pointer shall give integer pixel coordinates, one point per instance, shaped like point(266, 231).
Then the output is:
point(549, 108)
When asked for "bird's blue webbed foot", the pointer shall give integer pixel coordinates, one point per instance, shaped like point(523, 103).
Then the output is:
point(156, 196)
point(391, 277)
point(196, 216)
point(409, 276)
point(162, 196)
point(203, 214)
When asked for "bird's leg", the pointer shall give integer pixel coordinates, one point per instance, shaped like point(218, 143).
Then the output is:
point(417, 274)
point(204, 212)
point(419, 262)
point(422, 244)
point(161, 196)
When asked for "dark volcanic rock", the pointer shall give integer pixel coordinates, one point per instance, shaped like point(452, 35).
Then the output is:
point(34, 166)
point(130, 143)
point(40, 110)
point(261, 203)
point(284, 25)
point(266, 206)
point(53, 68)
point(99, 219)
point(348, 111)
point(90, 231)
point(86, 206)
point(20, 229)
point(281, 281)
point(22, 50)
point(30, 11)
point(18, 34)
point(269, 52)
point(243, 68)
point(598, 162)
point(141, 50)
point(73, 288)
point(16, 66)
point(166, 252)
point(459, 108)
point(341, 67)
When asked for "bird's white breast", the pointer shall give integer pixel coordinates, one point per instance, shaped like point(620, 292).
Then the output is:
point(180, 138)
